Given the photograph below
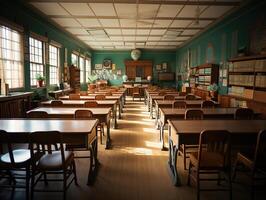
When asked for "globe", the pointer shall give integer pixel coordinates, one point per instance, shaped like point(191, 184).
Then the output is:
point(135, 54)
point(149, 78)
point(124, 78)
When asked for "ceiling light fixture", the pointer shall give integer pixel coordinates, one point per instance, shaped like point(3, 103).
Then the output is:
point(197, 14)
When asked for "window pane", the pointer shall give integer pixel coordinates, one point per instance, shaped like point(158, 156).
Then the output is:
point(81, 66)
point(54, 64)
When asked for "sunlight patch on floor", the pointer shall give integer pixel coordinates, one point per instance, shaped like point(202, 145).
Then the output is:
point(141, 151)
point(150, 130)
point(153, 144)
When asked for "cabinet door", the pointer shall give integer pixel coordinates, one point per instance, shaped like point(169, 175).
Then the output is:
point(131, 72)
point(147, 71)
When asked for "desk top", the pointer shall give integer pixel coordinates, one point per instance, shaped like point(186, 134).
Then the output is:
point(206, 111)
point(81, 102)
point(71, 111)
point(156, 97)
point(234, 126)
point(92, 97)
point(31, 125)
point(169, 103)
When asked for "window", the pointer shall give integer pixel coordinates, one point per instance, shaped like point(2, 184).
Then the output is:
point(11, 58)
point(87, 68)
point(36, 60)
point(54, 64)
point(81, 66)
point(74, 59)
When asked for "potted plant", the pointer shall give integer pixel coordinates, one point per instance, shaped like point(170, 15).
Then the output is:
point(91, 82)
point(40, 79)
point(213, 88)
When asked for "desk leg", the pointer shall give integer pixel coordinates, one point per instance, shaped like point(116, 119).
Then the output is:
point(151, 110)
point(108, 140)
point(94, 162)
point(114, 110)
point(162, 136)
point(119, 110)
point(172, 163)
point(120, 107)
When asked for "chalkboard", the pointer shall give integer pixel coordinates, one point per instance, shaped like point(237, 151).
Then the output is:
point(166, 76)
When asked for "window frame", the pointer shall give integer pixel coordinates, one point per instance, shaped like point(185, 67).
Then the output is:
point(53, 66)
point(87, 70)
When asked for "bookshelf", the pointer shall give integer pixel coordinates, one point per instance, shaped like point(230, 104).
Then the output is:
point(75, 79)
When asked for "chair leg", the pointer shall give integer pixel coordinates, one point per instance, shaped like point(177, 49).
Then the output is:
point(27, 183)
point(219, 179)
point(184, 157)
point(64, 184)
point(74, 172)
point(32, 184)
point(198, 186)
point(45, 178)
point(189, 172)
point(234, 170)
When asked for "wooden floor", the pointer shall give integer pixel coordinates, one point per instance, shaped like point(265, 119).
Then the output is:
point(134, 169)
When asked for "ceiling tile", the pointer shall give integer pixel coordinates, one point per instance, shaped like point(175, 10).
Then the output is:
point(154, 38)
point(128, 23)
point(109, 22)
point(50, 8)
point(162, 43)
point(77, 31)
point(157, 31)
point(180, 23)
point(113, 31)
point(143, 31)
point(151, 43)
point(78, 9)
point(130, 44)
point(86, 38)
point(102, 38)
point(216, 11)
point(89, 22)
point(190, 11)
point(103, 9)
point(141, 38)
point(189, 32)
point(128, 31)
point(118, 43)
point(144, 23)
point(147, 10)
point(201, 23)
point(116, 38)
point(162, 23)
point(126, 10)
point(181, 38)
point(169, 10)
point(67, 22)
point(129, 38)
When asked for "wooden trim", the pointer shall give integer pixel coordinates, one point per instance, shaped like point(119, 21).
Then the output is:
point(11, 25)
point(244, 58)
point(56, 44)
point(38, 37)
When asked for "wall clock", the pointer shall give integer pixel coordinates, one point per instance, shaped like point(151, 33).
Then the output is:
point(107, 64)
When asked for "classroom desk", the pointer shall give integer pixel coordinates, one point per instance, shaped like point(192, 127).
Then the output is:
point(92, 97)
point(153, 98)
point(148, 95)
point(188, 131)
point(85, 134)
point(80, 103)
point(102, 114)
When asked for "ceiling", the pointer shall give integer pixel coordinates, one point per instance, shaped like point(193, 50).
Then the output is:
point(129, 24)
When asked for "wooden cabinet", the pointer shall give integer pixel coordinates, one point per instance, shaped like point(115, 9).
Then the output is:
point(138, 68)
point(75, 79)
point(203, 76)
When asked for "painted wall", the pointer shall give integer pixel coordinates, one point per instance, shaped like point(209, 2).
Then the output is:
point(118, 58)
point(225, 38)
point(16, 12)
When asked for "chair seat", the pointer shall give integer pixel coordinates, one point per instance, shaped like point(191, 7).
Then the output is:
point(54, 161)
point(209, 160)
point(20, 156)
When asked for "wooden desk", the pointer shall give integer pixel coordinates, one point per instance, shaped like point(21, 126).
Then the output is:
point(85, 134)
point(56, 94)
point(80, 103)
point(188, 131)
point(102, 114)
point(92, 97)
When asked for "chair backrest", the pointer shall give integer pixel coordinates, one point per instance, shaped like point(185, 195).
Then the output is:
point(169, 97)
point(193, 114)
point(90, 104)
point(190, 97)
point(108, 94)
point(162, 93)
point(41, 142)
point(74, 96)
point(180, 104)
point(83, 93)
point(244, 113)
point(135, 89)
point(182, 93)
point(37, 114)
point(83, 114)
point(100, 97)
point(216, 141)
point(4, 140)
point(56, 103)
point(260, 157)
point(207, 104)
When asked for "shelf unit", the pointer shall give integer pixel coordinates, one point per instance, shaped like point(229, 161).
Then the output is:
point(75, 79)
point(201, 77)
point(247, 78)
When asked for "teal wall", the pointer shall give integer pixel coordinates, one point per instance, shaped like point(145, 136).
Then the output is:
point(230, 34)
point(118, 58)
point(16, 12)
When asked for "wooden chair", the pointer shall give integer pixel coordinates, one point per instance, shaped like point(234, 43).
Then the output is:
point(83, 93)
point(83, 114)
point(244, 113)
point(108, 94)
point(213, 157)
point(169, 97)
point(74, 97)
point(51, 161)
point(186, 149)
point(162, 93)
point(190, 97)
point(100, 97)
point(255, 162)
point(180, 104)
point(136, 93)
point(182, 93)
point(14, 160)
point(37, 114)
point(90, 104)
point(56, 103)
point(207, 104)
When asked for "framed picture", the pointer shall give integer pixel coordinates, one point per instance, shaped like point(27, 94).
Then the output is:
point(98, 66)
point(107, 64)
point(164, 65)
point(119, 72)
point(158, 67)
